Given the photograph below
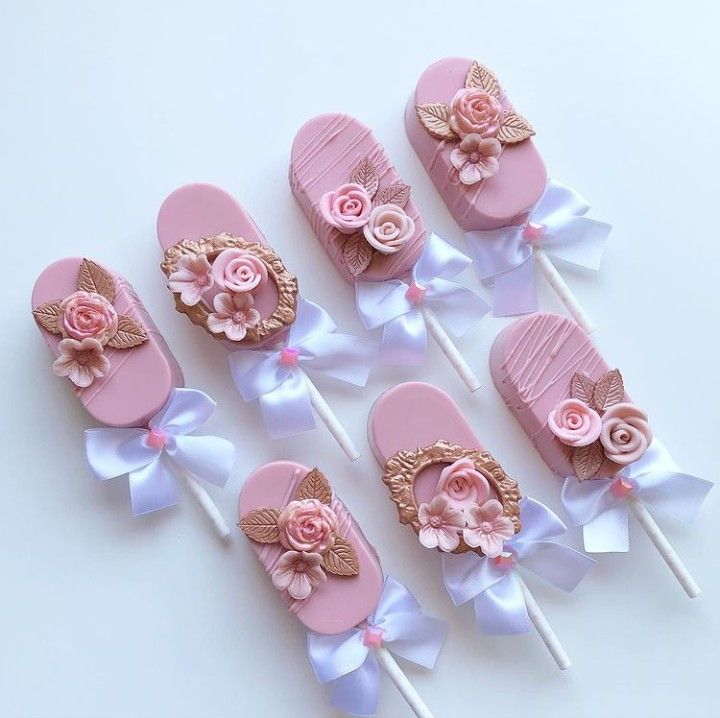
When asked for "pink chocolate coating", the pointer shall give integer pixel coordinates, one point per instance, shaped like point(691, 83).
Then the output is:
point(204, 210)
point(140, 379)
point(500, 201)
point(325, 151)
point(532, 362)
point(413, 415)
point(340, 602)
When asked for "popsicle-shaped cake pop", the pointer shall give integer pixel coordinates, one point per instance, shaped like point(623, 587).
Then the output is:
point(330, 578)
point(478, 151)
point(459, 500)
point(110, 351)
point(578, 414)
point(228, 280)
point(364, 216)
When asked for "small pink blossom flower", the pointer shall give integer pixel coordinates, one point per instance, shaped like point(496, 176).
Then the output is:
point(487, 528)
point(575, 423)
point(476, 159)
point(298, 572)
point(441, 524)
point(81, 361)
point(192, 278)
point(233, 314)
point(463, 484)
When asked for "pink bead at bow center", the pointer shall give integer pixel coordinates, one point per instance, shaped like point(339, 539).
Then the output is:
point(415, 293)
point(533, 232)
point(156, 438)
point(505, 560)
point(373, 636)
point(622, 488)
point(289, 356)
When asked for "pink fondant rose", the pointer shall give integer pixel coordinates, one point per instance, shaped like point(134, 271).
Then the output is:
point(308, 525)
point(87, 315)
point(463, 484)
point(347, 208)
point(388, 228)
point(625, 434)
point(575, 423)
point(474, 111)
point(239, 271)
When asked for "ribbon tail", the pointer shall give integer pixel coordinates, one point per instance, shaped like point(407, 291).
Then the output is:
point(608, 532)
point(675, 494)
point(458, 308)
point(560, 565)
point(580, 241)
point(210, 458)
point(357, 692)
point(288, 410)
point(153, 487)
point(404, 340)
point(185, 411)
point(115, 452)
point(500, 610)
point(420, 638)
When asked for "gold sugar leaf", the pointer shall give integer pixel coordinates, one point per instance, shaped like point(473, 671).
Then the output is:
point(397, 193)
point(357, 254)
point(609, 390)
point(46, 315)
point(587, 460)
point(94, 278)
point(341, 559)
point(366, 175)
point(582, 387)
point(434, 117)
point(514, 129)
point(479, 76)
point(261, 525)
point(129, 334)
point(314, 486)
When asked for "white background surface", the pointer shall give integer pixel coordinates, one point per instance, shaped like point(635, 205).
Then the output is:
point(107, 107)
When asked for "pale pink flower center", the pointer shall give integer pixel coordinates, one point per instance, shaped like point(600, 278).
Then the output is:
point(239, 317)
point(474, 157)
point(202, 280)
point(351, 206)
point(486, 527)
point(300, 567)
point(573, 421)
point(621, 436)
point(436, 522)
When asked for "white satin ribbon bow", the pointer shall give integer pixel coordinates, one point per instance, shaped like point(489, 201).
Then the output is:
point(277, 378)
point(395, 305)
point(347, 662)
point(556, 225)
point(600, 505)
point(154, 458)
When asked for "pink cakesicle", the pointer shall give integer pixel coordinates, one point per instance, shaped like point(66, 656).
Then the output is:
point(94, 319)
point(223, 274)
point(520, 178)
point(291, 514)
point(327, 155)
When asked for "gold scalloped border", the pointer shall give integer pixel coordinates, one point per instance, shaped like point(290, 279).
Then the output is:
point(286, 283)
point(402, 469)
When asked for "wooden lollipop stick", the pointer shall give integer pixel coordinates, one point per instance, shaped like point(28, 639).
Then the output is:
point(385, 659)
point(331, 421)
point(208, 505)
point(663, 546)
point(542, 626)
point(563, 291)
point(449, 349)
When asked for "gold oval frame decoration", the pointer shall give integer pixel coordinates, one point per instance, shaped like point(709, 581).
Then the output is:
point(402, 469)
point(286, 283)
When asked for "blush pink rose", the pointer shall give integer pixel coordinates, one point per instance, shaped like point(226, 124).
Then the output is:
point(237, 270)
point(475, 112)
point(308, 525)
point(347, 208)
point(463, 484)
point(575, 423)
point(87, 315)
point(625, 434)
point(388, 228)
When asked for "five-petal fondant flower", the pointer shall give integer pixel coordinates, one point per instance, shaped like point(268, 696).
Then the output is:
point(81, 361)
point(476, 158)
point(440, 524)
point(298, 572)
point(234, 314)
point(487, 528)
point(192, 278)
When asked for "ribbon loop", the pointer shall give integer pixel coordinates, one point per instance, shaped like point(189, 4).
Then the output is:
point(395, 307)
point(281, 386)
point(502, 256)
point(349, 665)
point(654, 479)
point(154, 468)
